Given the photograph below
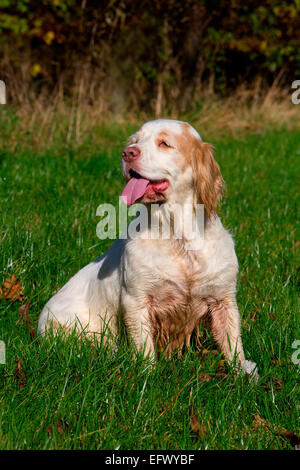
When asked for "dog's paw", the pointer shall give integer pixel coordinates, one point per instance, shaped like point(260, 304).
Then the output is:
point(250, 368)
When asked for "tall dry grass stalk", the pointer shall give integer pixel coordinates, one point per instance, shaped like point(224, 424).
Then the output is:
point(44, 118)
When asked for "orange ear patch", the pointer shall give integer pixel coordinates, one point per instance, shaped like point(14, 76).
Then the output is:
point(208, 181)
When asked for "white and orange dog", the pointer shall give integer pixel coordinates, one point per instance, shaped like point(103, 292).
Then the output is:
point(161, 289)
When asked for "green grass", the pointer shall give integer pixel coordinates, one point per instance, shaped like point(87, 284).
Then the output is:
point(70, 395)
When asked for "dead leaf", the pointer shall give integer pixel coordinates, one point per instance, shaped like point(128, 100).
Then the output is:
point(25, 317)
point(259, 422)
point(59, 426)
point(221, 374)
point(203, 377)
point(196, 426)
point(76, 374)
point(213, 352)
point(24, 311)
point(12, 290)
point(292, 437)
point(277, 383)
point(274, 382)
point(20, 374)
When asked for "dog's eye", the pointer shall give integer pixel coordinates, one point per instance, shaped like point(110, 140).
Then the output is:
point(163, 143)
point(132, 140)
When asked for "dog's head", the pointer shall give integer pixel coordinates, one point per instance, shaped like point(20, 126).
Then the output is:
point(166, 160)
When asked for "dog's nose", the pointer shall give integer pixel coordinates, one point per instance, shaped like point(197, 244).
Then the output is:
point(130, 153)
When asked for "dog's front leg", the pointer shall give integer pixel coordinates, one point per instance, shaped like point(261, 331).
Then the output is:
point(225, 322)
point(138, 327)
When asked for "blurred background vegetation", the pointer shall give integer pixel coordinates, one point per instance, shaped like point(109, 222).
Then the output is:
point(225, 65)
point(146, 53)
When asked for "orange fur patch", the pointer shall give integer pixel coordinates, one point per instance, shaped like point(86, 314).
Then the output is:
point(208, 181)
point(174, 315)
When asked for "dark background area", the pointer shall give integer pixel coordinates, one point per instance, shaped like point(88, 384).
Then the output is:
point(146, 53)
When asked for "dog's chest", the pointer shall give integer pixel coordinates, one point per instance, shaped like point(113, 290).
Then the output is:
point(177, 302)
point(188, 282)
point(174, 312)
point(178, 286)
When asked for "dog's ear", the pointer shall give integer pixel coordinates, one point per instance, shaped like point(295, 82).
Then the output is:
point(208, 182)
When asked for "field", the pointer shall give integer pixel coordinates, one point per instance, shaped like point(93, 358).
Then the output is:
point(58, 394)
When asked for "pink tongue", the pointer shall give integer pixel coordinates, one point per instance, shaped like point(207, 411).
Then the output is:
point(134, 189)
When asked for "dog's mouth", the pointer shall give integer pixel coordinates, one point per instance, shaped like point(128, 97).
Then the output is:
point(140, 187)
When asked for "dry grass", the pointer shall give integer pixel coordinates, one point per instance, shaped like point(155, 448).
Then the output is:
point(53, 117)
point(247, 112)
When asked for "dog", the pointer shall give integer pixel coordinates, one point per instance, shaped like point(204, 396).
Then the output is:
point(161, 288)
